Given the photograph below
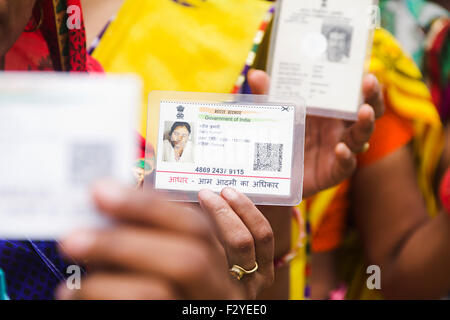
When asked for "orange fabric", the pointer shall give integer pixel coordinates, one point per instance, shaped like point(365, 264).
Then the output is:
point(391, 133)
point(328, 234)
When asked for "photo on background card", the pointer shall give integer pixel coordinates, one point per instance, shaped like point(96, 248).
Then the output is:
point(339, 41)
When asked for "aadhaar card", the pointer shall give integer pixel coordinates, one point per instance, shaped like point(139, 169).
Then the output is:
point(247, 146)
point(58, 135)
point(320, 51)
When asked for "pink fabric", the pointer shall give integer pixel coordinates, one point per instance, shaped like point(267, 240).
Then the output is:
point(339, 293)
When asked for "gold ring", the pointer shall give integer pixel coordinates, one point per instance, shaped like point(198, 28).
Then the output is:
point(238, 272)
point(365, 148)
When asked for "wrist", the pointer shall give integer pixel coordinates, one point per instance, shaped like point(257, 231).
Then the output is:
point(291, 253)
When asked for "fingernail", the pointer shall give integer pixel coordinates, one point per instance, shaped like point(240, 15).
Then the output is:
point(372, 114)
point(370, 110)
point(78, 243)
point(372, 78)
point(375, 82)
point(229, 194)
point(109, 192)
point(63, 293)
point(344, 150)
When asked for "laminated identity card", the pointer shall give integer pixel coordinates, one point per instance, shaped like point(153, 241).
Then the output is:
point(211, 141)
point(320, 51)
point(60, 133)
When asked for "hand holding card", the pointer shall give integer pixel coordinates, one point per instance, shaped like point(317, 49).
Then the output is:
point(213, 141)
point(156, 249)
point(331, 145)
point(319, 52)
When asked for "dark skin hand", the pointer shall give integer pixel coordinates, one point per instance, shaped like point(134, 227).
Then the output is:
point(332, 144)
point(162, 250)
point(155, 250)
point(245, 234)
point(330, 158)
point(412, 250)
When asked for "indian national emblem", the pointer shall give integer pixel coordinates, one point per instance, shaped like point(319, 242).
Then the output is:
point(180, 114)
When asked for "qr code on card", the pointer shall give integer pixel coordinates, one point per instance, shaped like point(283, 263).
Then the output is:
point(90, 162)
point(268, 157)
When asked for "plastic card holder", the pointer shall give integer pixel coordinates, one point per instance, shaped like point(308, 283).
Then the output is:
point(320, 51)
point(251, 143)
point(59, 134)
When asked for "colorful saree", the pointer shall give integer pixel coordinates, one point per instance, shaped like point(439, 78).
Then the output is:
point(407, 96)
point(34, 268)
point(423, 29)
point(53, 47)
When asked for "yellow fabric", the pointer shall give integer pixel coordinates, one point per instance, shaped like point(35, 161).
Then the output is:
point(409, 96)
point(320, 204)
point(175, 47)
point(402, 79)
point(298, 264)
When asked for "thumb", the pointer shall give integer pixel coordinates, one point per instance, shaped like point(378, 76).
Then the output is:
point(259, 81)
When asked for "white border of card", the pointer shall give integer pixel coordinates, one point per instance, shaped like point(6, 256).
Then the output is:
point(251, 143)
point(320, 51)
point(59, 133)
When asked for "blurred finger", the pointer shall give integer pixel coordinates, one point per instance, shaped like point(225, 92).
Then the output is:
point(258, 81)
point(373, 94)
point(148, 208)
point(360, 132)
point(187, 262)
point(116, 286)
point(345, 163)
